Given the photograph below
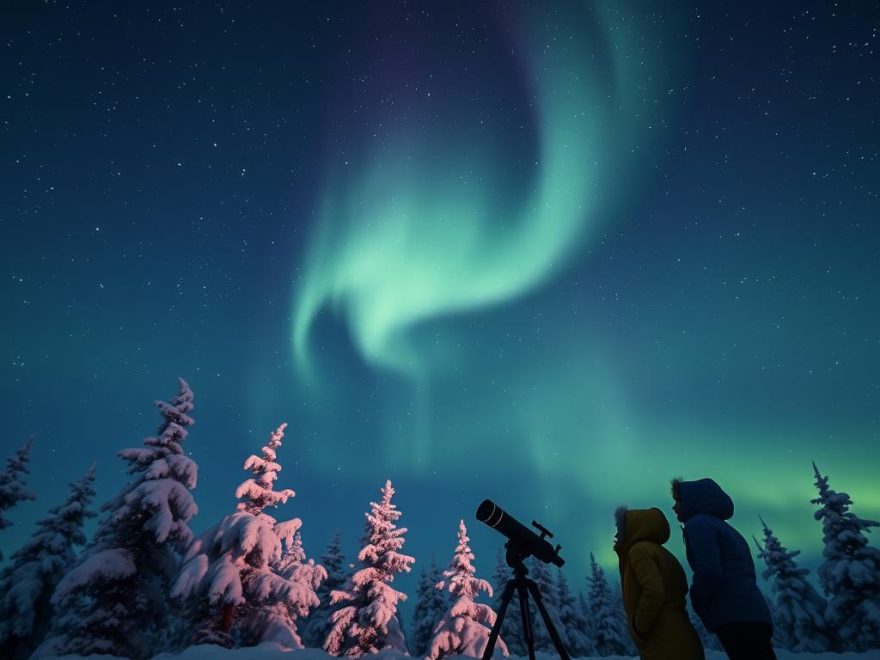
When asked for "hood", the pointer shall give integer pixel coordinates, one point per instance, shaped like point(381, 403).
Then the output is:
point(702, 496)
point(634, 525)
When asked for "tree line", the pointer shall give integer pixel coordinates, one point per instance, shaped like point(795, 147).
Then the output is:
point(145, 584)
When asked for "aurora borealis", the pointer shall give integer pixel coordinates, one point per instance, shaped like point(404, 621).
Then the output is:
point(552, 256)
point(435, 224)
point(431, 225)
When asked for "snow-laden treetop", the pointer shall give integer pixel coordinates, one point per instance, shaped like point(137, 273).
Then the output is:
point(257, 492)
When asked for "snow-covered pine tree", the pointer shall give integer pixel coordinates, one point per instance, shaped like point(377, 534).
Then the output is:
point(710, 641)
point(587, 614)
point(367, 622)
point(540, 574)
point(416, 642)
point(317, 625)
point(617, 592)
point(34, 571)
point(465, 628)
point(511, 627)
point(113, 601)
point(430, 607)
point(304, 576)
point(610, 634)
point(798, 614)
point(780, 637)
point(228, 577)
point(293, 555)
point(572, 621)
point(12, 488)
point(850, 574)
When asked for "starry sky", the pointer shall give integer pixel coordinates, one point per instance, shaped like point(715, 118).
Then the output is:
point(552, 254)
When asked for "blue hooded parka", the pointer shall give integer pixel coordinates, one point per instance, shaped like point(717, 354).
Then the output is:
point(724, 586)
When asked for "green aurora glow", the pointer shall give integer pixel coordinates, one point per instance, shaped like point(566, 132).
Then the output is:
point(424, 252)
point(549, 253)
point(424, 231)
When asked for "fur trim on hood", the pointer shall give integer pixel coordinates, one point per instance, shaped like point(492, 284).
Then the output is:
point(675, 484)
point(620, 521)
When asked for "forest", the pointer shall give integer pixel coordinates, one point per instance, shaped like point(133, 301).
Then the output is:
point(144, 584)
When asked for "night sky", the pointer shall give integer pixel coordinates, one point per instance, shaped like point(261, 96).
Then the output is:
point(553, 254)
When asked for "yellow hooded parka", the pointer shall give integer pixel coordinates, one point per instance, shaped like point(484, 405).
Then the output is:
point(654, 588)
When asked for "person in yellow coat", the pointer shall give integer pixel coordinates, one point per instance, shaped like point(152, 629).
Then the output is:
point(654, 588)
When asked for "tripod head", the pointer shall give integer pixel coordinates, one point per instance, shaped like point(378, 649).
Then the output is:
point(515, 557)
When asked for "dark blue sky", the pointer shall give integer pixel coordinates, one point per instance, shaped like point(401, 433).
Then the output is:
point(550, 256)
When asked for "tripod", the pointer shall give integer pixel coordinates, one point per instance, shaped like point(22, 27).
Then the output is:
point(523, 587)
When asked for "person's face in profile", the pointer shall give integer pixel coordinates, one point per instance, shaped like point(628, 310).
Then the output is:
point(677, 509)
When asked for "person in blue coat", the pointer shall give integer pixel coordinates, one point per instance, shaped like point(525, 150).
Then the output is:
point(725, 592)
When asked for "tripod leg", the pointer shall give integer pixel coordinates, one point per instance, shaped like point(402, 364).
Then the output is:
point(557, 640)
point(496, 629)
point(526, 618)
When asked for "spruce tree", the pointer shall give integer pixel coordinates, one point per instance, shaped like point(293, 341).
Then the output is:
point(621, 613)
point(610, 634)
point(317, 625)
point(12, 488)
point(417, 640)
point(431, 605)
point(586, 613)
point(573, 623)
point(113, 601)
point(540, 573)
point(850, 574)
point(304, 577)
point(798, 614)
point(34, 571)
point(780, 637)
point(511, 627)
point(465, 628)
point(367, 622)
point(240, 585)
point(709, 640)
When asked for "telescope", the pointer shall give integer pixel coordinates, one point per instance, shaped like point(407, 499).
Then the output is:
point(521, 544)
point(521, 537)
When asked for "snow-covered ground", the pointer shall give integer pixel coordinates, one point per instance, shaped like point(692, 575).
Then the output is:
point(271, 651)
